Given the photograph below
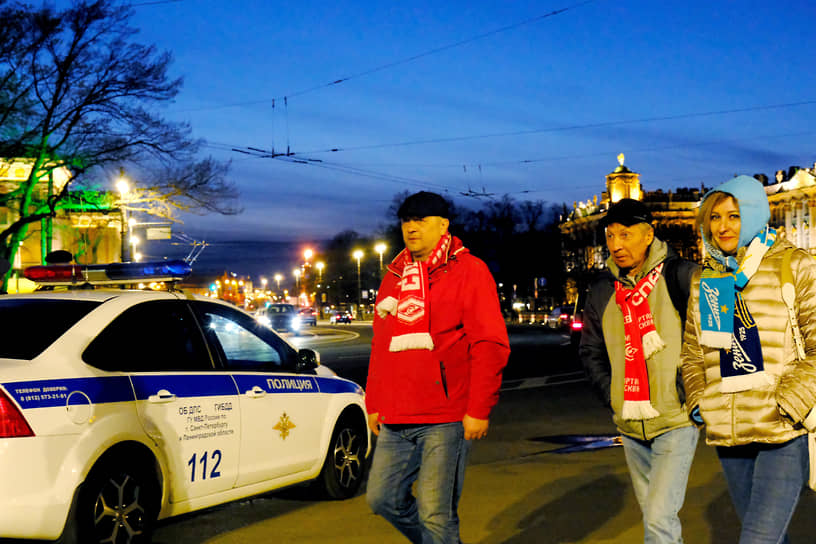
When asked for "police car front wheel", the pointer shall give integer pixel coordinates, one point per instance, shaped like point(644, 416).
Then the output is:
point(344, 466)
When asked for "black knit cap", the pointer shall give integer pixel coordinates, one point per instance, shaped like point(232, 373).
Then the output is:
point(627, 212)
point(423, 204)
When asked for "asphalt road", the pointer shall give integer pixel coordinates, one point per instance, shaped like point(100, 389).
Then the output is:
point(534, 350)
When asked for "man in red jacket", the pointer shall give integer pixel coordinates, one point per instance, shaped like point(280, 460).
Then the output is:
point(440, 344)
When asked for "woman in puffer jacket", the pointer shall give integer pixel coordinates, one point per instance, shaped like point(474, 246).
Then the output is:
point(743, 377)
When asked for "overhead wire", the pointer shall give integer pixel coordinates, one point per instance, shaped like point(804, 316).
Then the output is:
point(368, 173)
point(603, 124)
point(399, 62)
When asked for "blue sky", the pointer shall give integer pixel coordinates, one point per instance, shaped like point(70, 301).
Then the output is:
point(494, 95)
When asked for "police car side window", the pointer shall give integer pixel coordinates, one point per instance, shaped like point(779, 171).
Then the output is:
point(149, 337)
point(244, 344)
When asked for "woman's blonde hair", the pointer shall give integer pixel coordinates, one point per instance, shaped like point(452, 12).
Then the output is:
point(703, 220)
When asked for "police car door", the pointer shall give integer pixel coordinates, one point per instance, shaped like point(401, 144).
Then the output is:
point(187, 407)
point(282, 413)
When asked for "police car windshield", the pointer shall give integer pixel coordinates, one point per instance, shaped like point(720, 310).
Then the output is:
point(31, 325)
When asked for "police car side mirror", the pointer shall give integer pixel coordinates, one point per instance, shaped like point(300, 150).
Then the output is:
point(307, 360)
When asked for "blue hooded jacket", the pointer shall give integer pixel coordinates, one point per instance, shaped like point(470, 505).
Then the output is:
point(753, 205)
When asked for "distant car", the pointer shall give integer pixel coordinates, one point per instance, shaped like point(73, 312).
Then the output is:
point(280, 317)
point(119, 407)
point(308, 316)
point(561, 317)
point(340, 317)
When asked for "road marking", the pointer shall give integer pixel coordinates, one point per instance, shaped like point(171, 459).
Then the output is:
point(544, 381)
point(320, 337)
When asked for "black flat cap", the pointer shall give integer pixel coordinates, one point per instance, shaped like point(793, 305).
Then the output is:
point(627, 212)
point(424, 204)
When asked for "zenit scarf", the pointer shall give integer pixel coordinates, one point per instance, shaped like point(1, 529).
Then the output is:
point(726, 321)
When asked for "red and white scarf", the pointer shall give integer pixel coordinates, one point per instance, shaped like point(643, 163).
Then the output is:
point(411, 305)
point(642, 341)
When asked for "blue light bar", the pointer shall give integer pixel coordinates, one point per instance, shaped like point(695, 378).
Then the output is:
point(146, 271)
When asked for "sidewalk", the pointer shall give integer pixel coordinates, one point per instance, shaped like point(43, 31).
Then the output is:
point(537, 497)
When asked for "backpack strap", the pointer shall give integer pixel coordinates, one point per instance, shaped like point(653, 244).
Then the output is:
point(678, 293)
point(789, 297)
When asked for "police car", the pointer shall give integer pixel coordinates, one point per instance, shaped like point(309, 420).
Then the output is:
point(119, 407)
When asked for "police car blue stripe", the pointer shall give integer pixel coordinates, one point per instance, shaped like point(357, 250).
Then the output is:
point(60, 392)
point(335, 385)
point(184, 385)
point(272, 383)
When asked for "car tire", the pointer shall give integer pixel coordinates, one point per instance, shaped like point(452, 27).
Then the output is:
point(118, 503)
point(344, 466)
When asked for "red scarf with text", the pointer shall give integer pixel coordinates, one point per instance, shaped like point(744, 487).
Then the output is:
point(642, 341)
point(411, 304)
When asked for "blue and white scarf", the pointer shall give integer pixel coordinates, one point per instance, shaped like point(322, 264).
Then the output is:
point(726, 322)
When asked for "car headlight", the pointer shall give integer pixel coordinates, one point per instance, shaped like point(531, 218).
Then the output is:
point(296, 322)
point(263, 320)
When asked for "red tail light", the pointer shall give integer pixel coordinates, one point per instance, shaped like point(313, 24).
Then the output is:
point(12, 422)
point(577, 325)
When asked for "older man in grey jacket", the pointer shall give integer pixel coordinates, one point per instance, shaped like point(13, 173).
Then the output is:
point(630, 348)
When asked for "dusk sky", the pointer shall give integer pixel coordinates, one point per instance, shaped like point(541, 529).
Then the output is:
point(530, 99)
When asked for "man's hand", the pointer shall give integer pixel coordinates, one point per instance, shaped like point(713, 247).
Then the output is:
point(374, 423)
point(474, 428)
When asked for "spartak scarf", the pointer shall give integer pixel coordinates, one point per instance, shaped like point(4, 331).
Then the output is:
point(642, 341)
point(725, 320)
point(411, 305)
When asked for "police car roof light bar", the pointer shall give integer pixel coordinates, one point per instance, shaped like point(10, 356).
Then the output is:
point(130, 272)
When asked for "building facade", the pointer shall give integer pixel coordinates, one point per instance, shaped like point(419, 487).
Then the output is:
point(583, 243)
point(85, 223)
point(793, 206)
point(792, 198)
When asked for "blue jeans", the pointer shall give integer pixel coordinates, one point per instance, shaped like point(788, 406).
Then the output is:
point(659, 469)
point(433, 456)
point(765, 481)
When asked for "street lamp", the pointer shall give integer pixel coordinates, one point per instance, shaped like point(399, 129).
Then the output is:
point(380, 249)
point(264, 281)
point(123, 188)
point(134, 241)
point(320, 265)
point(358, 254)
point(278, 278)
point(307, 254)
point(296, 274)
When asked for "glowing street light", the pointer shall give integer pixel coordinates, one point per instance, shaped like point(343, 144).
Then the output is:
point(278, 278)
point(307, 254)
point(380, 249)
point(358, 254)
point(296, 274)
point(320, 265)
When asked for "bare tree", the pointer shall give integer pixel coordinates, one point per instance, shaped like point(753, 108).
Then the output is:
point(76, 91)
point(532, 214)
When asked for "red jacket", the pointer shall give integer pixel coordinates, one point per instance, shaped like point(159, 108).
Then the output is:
point(462, 375)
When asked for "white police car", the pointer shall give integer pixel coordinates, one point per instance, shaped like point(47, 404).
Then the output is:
point(121, 407)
